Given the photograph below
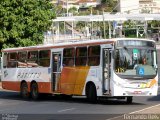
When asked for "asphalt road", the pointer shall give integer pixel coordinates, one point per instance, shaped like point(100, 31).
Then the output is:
point(53, 107)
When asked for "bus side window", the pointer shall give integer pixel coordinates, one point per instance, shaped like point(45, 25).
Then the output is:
point(32, 60)
point(81, 56)
point(68, 56)
point(22, 59)
point(44, 58)
point(94, 55)
point(12, 60)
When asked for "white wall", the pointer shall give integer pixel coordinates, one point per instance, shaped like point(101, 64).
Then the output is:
point(150, 6)
point(128, 6)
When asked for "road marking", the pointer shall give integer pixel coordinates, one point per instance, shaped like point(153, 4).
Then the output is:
point(64, 110)
point(145, 109)
point(134, 112)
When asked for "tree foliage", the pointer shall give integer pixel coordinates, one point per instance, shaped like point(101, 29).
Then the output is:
point(73, 10)
point(108, 2)
point(155, 23)
point(23, 22)
point(108, 5)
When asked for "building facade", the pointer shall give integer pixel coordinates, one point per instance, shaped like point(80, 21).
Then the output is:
point(138, 6)
point(126, 6)
point(77, 3)
point(149, 6)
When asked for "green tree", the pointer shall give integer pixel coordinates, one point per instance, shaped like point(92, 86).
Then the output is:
point(108, 5)
point(60, 11)
point(73, 10)
point(23, 22)
point(108, 2)
point(155, 23)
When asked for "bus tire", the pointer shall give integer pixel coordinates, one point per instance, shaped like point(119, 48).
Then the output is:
point(24, 90)
point(91, 93)
point(129, 99)
point(34, 91)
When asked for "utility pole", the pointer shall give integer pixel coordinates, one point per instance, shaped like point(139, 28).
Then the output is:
point(104, 26)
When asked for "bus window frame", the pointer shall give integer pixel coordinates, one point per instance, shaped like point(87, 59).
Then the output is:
point(30, 62)
point(11, 62)
point(22, 62)
point(70, 59)
point(97, 62)
point(46, 58)
point(81, 57)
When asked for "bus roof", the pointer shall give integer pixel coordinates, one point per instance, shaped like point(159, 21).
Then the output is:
point(110, 17)
point(70, 44)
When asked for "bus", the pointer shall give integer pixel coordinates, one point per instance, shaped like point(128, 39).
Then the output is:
point(112, 68)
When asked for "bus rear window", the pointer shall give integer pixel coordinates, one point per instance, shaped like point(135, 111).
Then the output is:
point(12, 60)
point(5, 60)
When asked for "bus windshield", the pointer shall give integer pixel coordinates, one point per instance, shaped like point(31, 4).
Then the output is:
point(135, 62)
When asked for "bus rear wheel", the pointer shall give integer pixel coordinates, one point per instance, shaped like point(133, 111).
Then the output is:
point(24, 90)
point(34, 91)
point(91, 93)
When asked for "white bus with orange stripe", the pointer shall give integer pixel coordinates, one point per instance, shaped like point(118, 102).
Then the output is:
point(120, 68)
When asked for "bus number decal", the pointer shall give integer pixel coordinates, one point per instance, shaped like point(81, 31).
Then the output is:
point(120, 70)
point(28, 75)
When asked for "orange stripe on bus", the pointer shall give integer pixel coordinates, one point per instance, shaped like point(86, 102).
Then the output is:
point(153, 82)
point(73, 80)
point(11, 85)
point(44, 87)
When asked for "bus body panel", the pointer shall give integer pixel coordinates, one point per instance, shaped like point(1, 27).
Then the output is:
point(74, 79)
point(125, 87)
point(94, 76)
point(13, 77)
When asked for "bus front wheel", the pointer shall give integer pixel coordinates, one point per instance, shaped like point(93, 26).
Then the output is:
point(24, 90)
point(91, 93)
point(34, 91)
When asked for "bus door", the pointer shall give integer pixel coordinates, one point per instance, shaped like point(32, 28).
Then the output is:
point(56, 69)
point(106, 70)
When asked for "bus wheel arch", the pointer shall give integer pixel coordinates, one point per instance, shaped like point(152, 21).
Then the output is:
point(91, 92)
point(24, 89)
point(34, 90)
